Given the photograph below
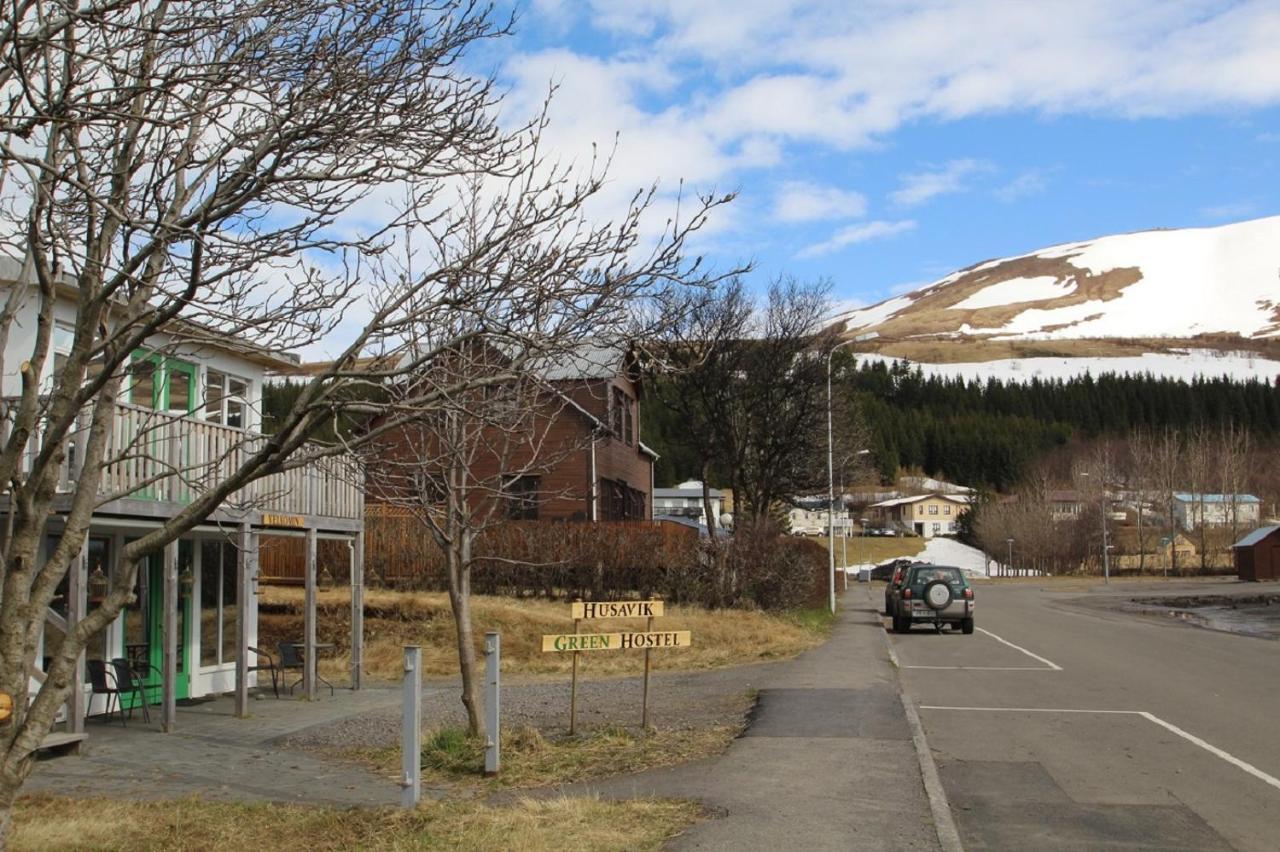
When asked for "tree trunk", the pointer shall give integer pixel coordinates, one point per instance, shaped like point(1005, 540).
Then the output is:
point(460, 602)
point(9, 788)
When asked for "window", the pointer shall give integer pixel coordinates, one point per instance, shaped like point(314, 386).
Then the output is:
point(946, 510)
point(218, 569)
point(937, 528)
point(620, 502)
point(226, 399)
point(64, 336)
point(933, 509)
point(522, 498)
point(622, 417)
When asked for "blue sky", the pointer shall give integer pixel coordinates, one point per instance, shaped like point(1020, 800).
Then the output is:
point(883, 144)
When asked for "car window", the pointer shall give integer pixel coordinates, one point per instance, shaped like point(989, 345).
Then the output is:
point(928, 575)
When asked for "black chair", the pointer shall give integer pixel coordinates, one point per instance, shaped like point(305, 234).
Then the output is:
point(290, 660)
point(129, 681)
point(269, 667)
point(103, 683)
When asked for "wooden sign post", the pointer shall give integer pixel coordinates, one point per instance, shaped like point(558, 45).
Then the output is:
point(578, 642)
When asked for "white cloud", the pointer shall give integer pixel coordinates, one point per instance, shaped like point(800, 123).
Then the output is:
point(920, 187)
point(1025, 185)
point(1230, 211)
point(802, 201)
point(854, 234)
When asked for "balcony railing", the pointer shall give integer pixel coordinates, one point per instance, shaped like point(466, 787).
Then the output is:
point(173, 458)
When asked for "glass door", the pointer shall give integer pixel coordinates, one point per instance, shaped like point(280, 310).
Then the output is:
point(144, 628)
point(164, 385)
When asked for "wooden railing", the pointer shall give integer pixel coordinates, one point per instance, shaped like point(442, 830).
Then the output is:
point(152, 455)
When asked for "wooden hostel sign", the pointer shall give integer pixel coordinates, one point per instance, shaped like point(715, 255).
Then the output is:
point(646, 640)
point(617, 641)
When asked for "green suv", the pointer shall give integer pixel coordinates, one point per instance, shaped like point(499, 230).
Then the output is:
point(932, 594)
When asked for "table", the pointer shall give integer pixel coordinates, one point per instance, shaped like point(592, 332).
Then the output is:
point(302, 654)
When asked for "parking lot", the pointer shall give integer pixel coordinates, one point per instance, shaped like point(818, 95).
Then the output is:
point(1056, 726)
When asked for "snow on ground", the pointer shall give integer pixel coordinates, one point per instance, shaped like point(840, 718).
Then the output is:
point(875, 314)
point(1184, 365)
point(1194, 280)
point(1017, 290)
point(947, 551)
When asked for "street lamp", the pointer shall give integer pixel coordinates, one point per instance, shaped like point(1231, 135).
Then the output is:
point(831, 473)
point(1009, 564)
point(1106, 556)
point(862, 522)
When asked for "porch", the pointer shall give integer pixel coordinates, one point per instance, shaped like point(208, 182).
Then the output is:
point(213, 754)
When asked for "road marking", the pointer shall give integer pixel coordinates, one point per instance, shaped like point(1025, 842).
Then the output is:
point(1212, 749)
point(1049, 663)
point(989, 668)
point(1150, 717)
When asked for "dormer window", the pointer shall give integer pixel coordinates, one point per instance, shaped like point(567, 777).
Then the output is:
point(622, 417)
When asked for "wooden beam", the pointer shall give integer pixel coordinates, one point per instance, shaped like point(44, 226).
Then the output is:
point(246, 558)
point(169, 712)
point(309, 620)
point(357, 610)
point(77, 604)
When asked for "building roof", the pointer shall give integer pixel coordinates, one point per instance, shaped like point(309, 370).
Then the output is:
point(686, 493)
point(954, 498)
point(1256, 536)
point(1189, 497)
point(589, 361)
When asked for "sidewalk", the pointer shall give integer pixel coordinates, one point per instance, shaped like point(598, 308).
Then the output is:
point(827, 761)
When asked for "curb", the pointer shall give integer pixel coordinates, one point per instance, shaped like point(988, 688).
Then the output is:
point(943, 822)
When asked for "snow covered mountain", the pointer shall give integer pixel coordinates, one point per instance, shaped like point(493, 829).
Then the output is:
point(1174, 302)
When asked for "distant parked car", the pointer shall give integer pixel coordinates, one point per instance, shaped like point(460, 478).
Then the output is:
point(807, 531)
point(893, 571)
point(933, 594)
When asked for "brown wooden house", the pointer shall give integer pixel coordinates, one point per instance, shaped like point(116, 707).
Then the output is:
point(1257, 555)
point(595, 467)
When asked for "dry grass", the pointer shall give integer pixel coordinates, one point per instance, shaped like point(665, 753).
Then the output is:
point(451, 759)
point(394, 619)
point(874, 548)
point(584, 823)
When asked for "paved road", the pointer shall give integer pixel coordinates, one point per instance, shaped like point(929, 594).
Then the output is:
point(1099, 730)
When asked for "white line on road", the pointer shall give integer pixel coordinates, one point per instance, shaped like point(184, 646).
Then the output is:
point(1212, 749)
point(1150, 717)
point(989, 668)
point(1050, 664)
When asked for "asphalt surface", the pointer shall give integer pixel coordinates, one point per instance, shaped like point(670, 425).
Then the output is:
point(1100, 729)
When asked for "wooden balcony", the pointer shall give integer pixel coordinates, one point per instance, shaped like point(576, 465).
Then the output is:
point(156, 461)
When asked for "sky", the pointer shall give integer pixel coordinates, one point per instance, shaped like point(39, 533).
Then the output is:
point(884, 143)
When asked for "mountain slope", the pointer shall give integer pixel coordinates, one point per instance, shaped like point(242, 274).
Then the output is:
point(1171, 283)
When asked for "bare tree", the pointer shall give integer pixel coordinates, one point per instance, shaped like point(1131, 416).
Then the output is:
point(181, 173)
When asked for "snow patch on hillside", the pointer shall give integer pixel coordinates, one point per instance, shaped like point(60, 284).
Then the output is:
point(1172, 365)
point(875, 314)
point(1017, 290)
point(946, 551)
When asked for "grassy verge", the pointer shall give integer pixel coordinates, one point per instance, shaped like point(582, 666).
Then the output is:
point(46, 822)
point(394, 619)
point(874, 548)
point(529, 759)
point(817, 620)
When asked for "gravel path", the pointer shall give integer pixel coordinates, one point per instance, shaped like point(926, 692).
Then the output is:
point(688, 700)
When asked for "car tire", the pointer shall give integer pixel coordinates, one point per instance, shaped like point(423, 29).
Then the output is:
point(888, 607)
point(966, 626)
point(901, 624)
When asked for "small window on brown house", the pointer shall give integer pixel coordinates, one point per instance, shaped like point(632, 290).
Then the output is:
point(522, 498)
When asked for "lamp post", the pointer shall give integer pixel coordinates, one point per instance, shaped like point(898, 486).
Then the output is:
point(862, 559)
point(1106, 556)
point(831, 473)
point(1009, 564)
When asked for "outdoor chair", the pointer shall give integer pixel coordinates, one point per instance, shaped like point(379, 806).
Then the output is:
point(102, 683)
point(290, 660)
point(270, 666)
point(128, 682)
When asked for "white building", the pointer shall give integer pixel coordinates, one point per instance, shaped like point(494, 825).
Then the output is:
point(1216, 510)
point(685, 501)
point(187, 412)
point(809, 517)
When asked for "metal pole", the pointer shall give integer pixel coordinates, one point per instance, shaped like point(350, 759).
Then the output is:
point(77, 609)
point(411, 728)
point(492, 707)
point(831, 494)
point(244, 598)
point(357, 610)
point(844, 539)
point(1009, 564)
point(1106, 557)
